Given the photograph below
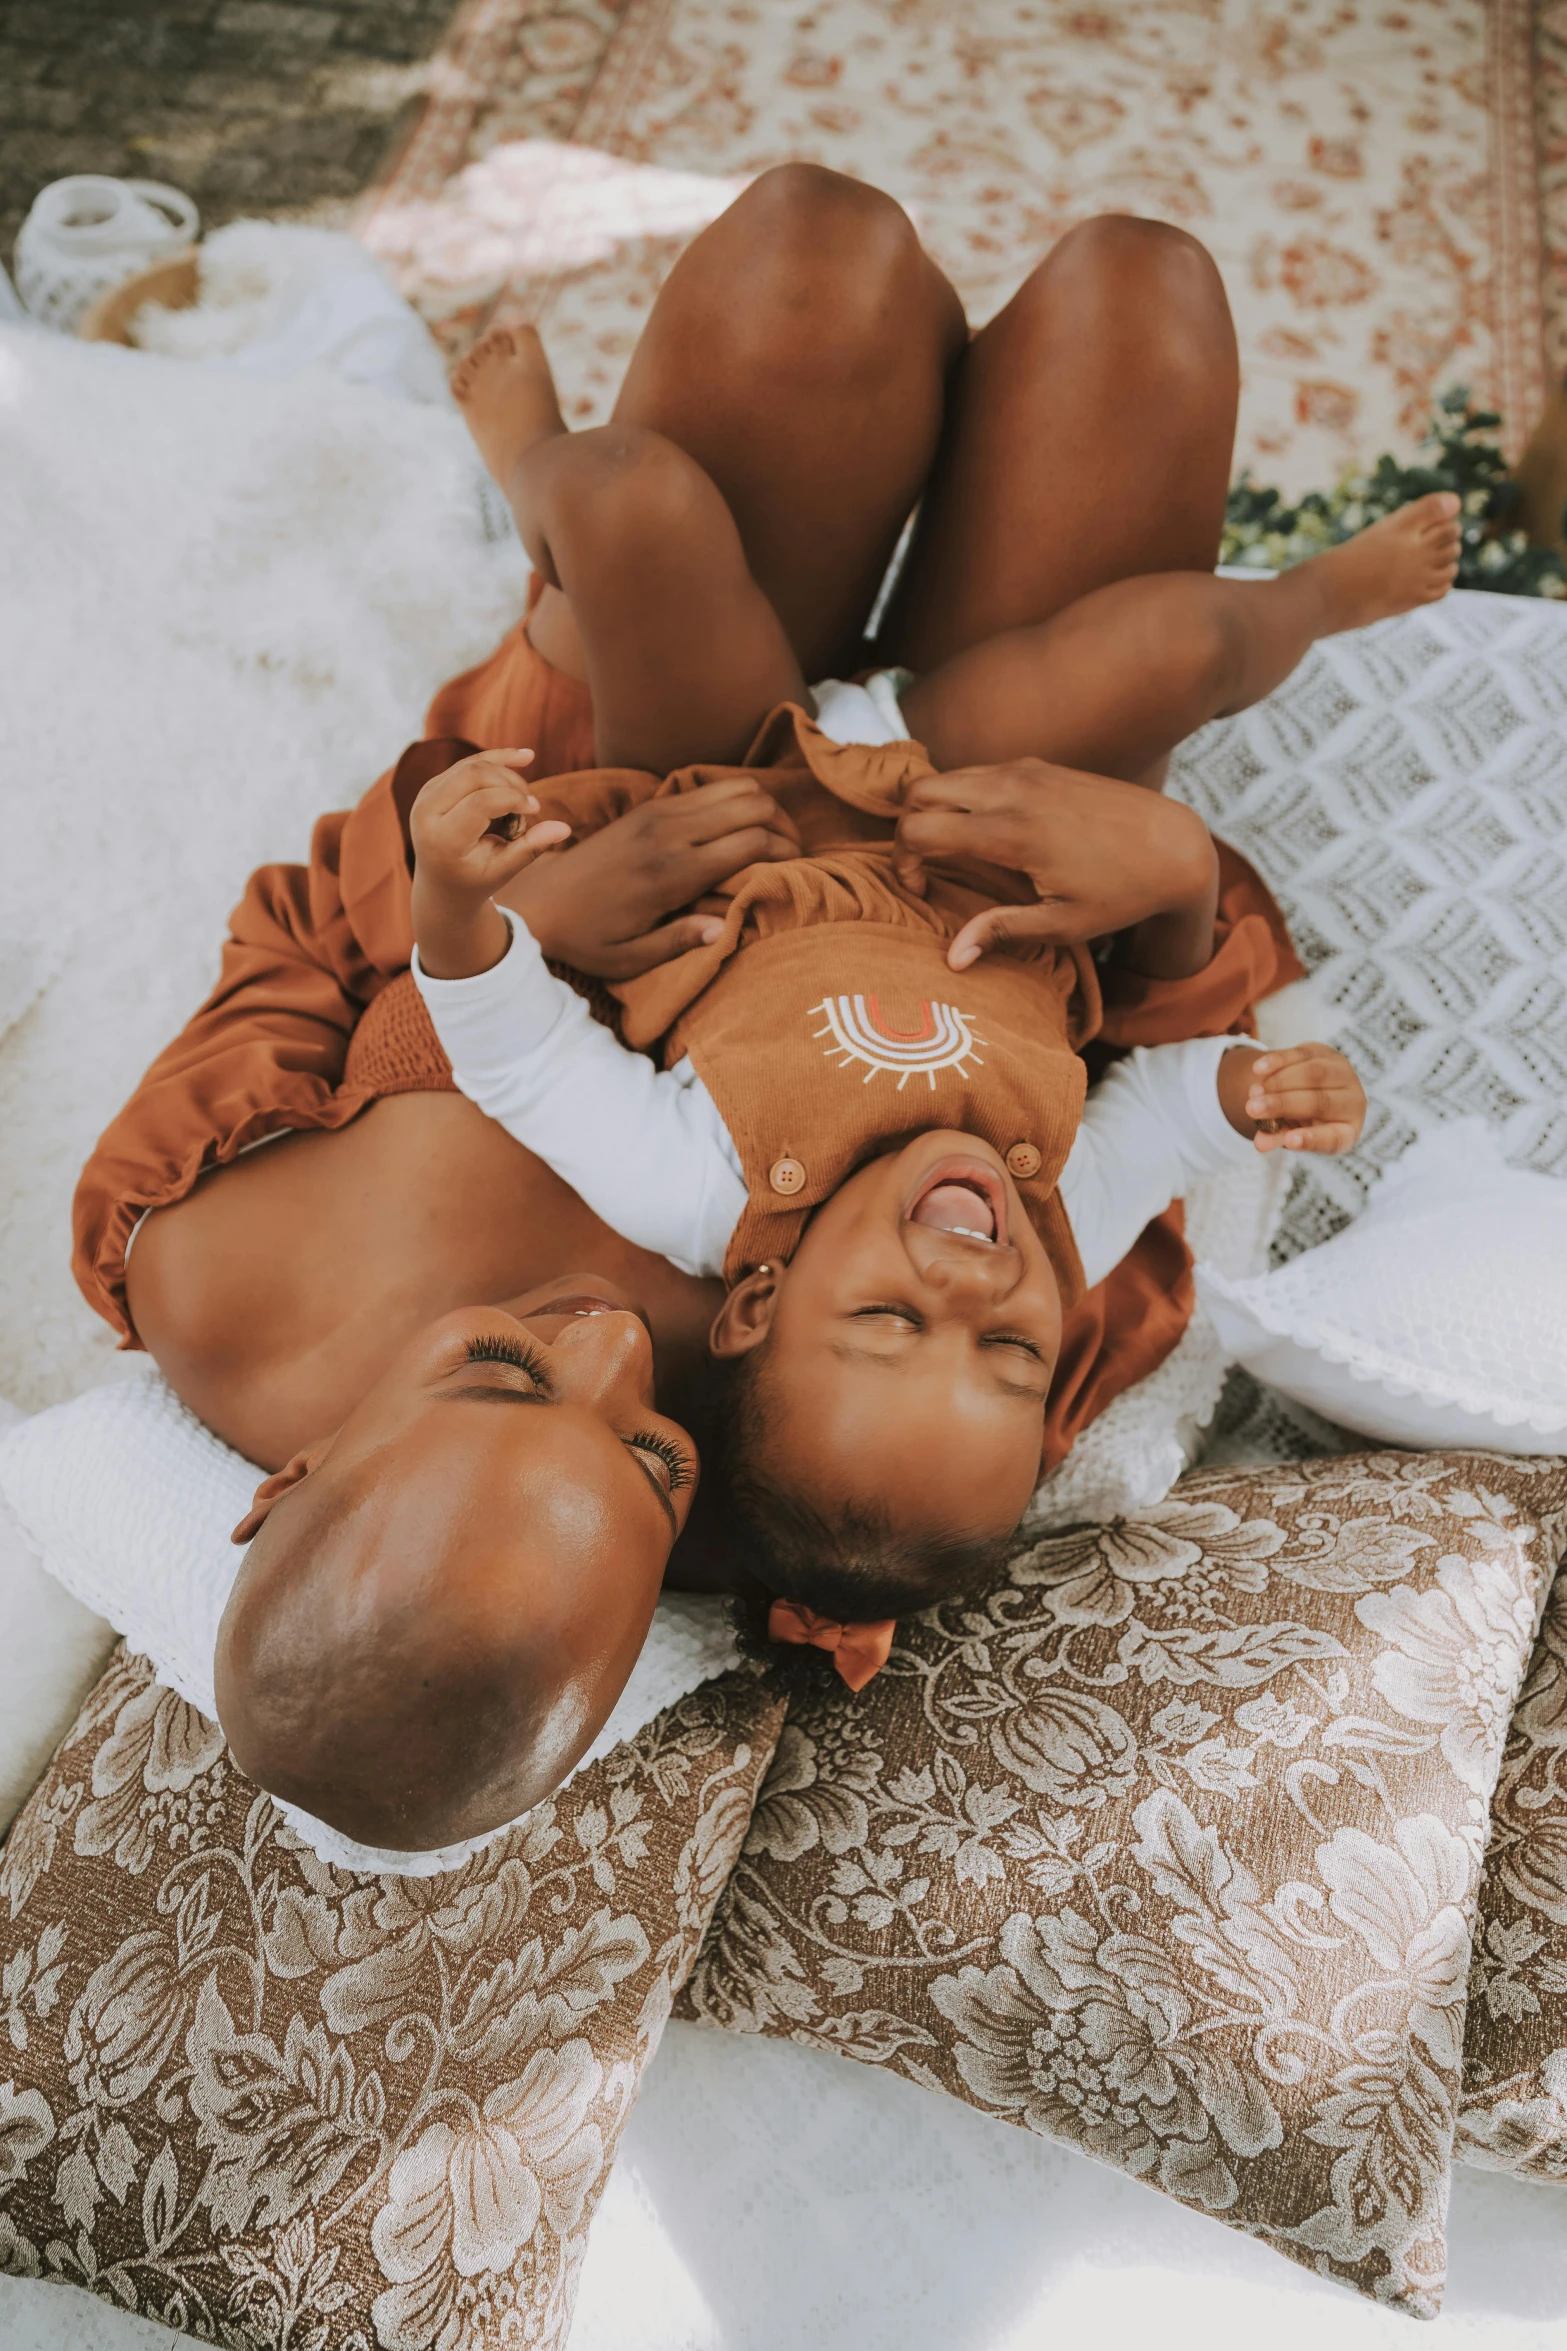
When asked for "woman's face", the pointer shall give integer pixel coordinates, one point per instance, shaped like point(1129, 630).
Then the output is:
point(549, 1396)
point(496, 1513)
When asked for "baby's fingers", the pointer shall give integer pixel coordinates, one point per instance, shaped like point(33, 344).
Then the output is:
point(1307, 1084)
point(522, 847)
point(1327, 1136)
point(1299, 1105)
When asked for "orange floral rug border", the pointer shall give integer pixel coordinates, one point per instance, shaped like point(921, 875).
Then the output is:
point(1384, 186)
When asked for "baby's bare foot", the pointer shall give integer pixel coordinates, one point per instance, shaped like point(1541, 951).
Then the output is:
point(1410, 557)
point(507, 395)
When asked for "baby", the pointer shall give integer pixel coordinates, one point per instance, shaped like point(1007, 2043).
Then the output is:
point(891, 1165)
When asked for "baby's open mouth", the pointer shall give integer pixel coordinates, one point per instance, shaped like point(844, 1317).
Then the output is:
point(962, 1196)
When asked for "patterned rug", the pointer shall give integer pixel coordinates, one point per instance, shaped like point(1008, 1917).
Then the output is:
point(1366, 175)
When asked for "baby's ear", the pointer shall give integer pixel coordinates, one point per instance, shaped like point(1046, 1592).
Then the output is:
point(746, 1315)
point(271, 1490)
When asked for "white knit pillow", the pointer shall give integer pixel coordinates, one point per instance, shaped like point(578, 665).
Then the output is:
point(1437, 1318)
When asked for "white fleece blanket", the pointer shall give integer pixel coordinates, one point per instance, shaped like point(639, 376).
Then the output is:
point(224, 604)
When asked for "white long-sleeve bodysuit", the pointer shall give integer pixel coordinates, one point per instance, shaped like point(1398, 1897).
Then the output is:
point(649, 1153)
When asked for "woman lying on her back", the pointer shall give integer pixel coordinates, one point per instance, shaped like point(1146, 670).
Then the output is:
point(445, 1591)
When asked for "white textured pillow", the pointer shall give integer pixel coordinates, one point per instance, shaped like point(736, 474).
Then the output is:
point(1438, 1317)
point(53, 1653)
point(129, 1501)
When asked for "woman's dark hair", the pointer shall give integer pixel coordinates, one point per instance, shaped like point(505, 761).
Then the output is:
point(852, 1564)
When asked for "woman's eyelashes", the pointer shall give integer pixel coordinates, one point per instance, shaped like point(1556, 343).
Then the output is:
point(675, 1468)
point(1012, 1339)
point(502, 1347)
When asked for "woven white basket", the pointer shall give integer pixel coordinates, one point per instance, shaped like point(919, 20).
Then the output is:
point(88, 234)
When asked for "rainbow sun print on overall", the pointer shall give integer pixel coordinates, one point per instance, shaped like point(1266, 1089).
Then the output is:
point(861, 1032)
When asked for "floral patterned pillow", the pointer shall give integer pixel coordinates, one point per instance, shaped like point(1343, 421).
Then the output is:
point(1170, 1847)
point(269, 2103)
point(1514, 2111)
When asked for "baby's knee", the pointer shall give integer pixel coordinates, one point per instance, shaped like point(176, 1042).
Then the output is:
point(1195, 648)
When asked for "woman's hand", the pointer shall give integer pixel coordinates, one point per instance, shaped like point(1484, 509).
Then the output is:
point(1306, 1098)
point(601, 906)
point(471, 836)
point(1104, 857)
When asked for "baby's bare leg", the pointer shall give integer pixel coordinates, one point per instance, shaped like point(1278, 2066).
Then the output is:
point(684, 655)
point(797, 354)
point(1059, 599)
point(1114, 682)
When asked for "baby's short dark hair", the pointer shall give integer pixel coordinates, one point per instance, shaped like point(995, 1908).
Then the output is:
point(851, 1563)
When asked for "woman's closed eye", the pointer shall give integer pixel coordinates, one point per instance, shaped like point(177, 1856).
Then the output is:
point(1012, 1339)
point(503, 1347)
point(667, 1464)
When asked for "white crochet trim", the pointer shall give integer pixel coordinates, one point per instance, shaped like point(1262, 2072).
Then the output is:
point(129, 1500)
point(1449, 1287)
point(1364, 1360)
point(1131, 1456)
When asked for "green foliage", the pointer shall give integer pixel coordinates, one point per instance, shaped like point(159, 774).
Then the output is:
point(1260, 530)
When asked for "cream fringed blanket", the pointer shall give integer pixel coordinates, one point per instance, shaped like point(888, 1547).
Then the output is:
point(1365, 175)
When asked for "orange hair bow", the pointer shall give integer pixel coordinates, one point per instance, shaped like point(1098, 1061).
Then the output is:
point(859, 1651)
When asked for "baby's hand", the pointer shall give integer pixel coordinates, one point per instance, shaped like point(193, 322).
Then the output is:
point(1305, 1098)
point(471, 837)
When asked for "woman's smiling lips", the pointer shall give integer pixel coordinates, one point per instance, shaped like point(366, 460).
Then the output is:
point(962, 1196)
point(565, 1305)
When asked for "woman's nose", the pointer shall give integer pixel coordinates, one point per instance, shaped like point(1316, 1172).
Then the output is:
point(599, 1358)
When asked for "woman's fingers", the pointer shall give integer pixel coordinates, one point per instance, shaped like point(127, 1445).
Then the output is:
point(938, 832)
point(984, 931)
point(733, 804)
point(719, 861)
point(960, 790)
point(635, 956)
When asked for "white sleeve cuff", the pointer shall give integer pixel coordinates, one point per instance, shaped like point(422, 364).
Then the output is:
point(1151, 1127)
point(1211, 1142)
